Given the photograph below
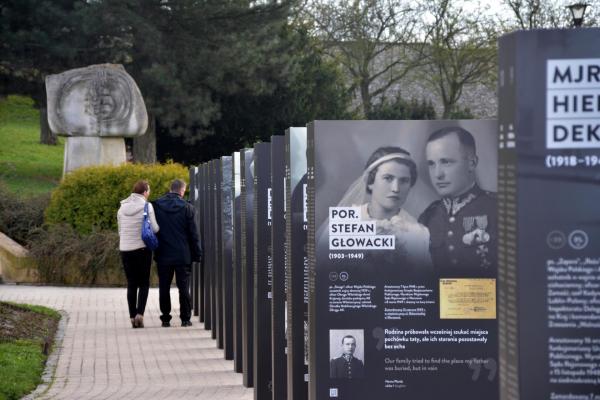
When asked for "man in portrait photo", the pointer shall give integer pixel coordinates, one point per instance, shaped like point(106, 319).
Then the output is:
point(347, 366)
point(463, 223)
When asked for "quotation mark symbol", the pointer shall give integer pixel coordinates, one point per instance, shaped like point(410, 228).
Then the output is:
point(379, 334)
point(490, 364)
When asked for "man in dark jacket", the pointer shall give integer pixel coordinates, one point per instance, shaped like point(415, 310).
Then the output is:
point(178, 247)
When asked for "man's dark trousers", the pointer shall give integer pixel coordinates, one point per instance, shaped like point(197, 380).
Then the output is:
point(182, 279)
point(178, 247)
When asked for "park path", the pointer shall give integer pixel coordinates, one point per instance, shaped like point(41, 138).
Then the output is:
point(102, 357)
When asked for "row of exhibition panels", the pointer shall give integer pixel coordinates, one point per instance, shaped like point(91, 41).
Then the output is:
point(239, 288)
point(278, 299)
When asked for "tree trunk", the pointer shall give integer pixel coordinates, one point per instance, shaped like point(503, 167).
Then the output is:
point(446, 112)
point(144, 147)
point(46, 135)
point(365, 96)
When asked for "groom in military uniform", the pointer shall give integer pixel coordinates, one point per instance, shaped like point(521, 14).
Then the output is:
point(463, 223)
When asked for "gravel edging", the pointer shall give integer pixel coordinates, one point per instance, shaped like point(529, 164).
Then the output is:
point(52, 361)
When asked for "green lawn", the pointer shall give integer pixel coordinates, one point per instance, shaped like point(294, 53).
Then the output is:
point(21, 366)
point(25, 332)
point(26, 166)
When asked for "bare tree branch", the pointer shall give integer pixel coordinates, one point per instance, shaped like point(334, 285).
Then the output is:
point(363, 35)
point(461, 51)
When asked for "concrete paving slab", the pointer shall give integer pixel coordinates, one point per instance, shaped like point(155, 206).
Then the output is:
point(102, 357)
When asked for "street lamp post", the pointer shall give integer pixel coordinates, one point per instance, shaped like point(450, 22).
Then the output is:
point(577, 13)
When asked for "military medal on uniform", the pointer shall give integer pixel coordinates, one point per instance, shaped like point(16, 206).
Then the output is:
point(475, 228)
point(476, 235)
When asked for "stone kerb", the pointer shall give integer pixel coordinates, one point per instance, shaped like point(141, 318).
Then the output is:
point(16, 265)
point(95, 108)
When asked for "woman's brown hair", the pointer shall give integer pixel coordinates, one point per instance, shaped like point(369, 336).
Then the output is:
point(141, 186)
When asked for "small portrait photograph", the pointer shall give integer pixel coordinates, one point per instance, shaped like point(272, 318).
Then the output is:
point(346, 354)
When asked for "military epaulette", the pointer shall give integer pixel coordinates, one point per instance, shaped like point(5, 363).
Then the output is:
point(428, 212)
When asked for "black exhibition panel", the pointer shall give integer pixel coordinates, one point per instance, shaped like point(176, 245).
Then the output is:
point(549, 248)
point(247, 239)
point(226, 256)
point(236, 255)
point(296, 263)
point(278, 298)
point(402, 250)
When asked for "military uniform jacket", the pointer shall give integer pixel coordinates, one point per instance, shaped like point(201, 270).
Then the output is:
point(342, 368)
point(463, 234)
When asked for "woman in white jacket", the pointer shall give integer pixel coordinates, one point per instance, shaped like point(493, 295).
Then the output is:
point(136, 257)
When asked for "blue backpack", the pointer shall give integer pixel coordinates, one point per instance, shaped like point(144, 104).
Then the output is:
point(148, 235)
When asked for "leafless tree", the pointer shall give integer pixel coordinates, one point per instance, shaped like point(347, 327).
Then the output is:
point(376, 41)
point(533, 14)
point(461, 51)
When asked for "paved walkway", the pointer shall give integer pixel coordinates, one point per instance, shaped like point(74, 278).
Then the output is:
point(102, 357)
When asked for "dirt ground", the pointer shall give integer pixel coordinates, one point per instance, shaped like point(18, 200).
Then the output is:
point(19, 323)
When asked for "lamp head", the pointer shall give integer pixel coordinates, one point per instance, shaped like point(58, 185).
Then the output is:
point(577, 13)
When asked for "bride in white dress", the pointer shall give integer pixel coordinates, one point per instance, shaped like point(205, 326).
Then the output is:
point(381, 191)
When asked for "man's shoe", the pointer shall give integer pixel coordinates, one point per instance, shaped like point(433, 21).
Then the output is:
point(133, 323)
point(186, 323)
point(166, 324)
point(139, 320)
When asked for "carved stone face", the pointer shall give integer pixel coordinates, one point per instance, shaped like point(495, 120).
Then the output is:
point(100, 100)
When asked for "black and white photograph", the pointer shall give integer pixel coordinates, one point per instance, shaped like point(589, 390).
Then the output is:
point(346, 354)
point(427, 192)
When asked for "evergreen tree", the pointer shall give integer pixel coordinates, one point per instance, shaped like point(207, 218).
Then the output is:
point(187, 55)
point(37, 38)
point(315, 89)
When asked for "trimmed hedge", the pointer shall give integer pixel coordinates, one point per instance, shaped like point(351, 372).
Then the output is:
point(88, 198)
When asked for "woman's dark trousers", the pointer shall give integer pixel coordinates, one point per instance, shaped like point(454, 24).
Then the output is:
point(137, 270)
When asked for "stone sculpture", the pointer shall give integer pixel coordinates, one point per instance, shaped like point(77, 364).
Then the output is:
point(95, 107)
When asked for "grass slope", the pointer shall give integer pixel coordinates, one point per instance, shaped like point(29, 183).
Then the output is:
point(26, 166)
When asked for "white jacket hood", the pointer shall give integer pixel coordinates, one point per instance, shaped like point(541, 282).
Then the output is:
point(133, 205)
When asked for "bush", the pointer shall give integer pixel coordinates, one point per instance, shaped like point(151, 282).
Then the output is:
point(88, 198)
point(19, 216)
point(461, 113)
point(66, 257)
point(400, 109)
